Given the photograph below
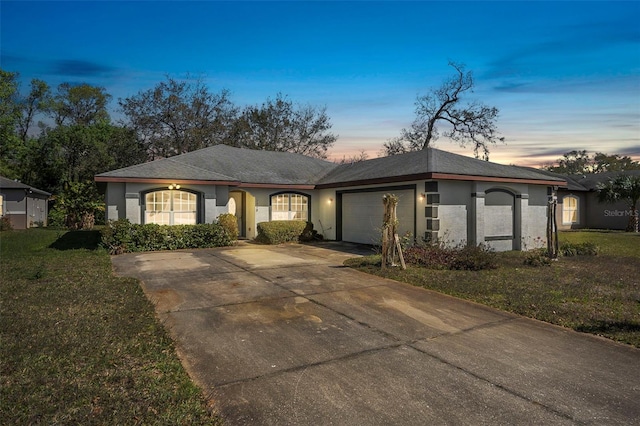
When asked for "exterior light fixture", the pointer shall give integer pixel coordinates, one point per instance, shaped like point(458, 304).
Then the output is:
point(330, 200)
point(174, 186)
point(422, 196)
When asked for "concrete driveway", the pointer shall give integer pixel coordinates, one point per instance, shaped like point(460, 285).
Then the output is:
point(285, 335)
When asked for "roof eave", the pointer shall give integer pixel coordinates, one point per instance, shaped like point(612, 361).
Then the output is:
point(442, 176)
point(276, 185)
point(113, 179)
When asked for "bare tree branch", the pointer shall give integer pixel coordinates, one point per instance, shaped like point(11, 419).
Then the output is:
point(470, 124)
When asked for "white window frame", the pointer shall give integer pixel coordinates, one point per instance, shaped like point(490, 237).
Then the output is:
point(171, 198)
point(289, 206)
point(570, 211)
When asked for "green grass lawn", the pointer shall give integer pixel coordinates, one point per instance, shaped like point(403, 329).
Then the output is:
point(81, 346)
point(593, 294)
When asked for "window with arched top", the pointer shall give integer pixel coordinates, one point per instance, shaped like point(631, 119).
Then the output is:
point(289, 206)
point(570, 210)
point(171, 207)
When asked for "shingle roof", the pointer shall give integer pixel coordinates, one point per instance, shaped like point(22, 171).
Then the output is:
point(572, 184)
point(14, 184)
point(426, 161)
point(589, 182)
point(167, 168)
point(225, 163)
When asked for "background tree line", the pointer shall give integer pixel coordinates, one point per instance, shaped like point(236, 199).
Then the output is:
point(59, 139)
point(75, 137)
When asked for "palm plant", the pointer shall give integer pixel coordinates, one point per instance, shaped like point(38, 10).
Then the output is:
point(625, 188)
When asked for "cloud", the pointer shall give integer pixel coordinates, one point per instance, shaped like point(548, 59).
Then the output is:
point(80, 68)
point(572, 56)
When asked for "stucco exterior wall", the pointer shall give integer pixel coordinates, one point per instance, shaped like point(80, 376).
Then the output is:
point(126, 200)
point(452, 211)
point(592, 213)
point(511, 218)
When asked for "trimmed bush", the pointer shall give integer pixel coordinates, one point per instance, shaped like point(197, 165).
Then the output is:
point(229, 223)
point(280, 231)
point(122, 236)
point(468, 258)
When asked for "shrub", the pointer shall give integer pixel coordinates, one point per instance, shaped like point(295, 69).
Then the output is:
point(430, 256)
point(537, 257)
point(229, 223)
point(79, 202)
point(437, 256)
point(56, 218)
point(310, 234)
point(5, 224)
point(280, 231)
point(579, 249)
point(122, 236)
point(474, 258)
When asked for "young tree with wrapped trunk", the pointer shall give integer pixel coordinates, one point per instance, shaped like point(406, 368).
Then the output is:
point(471, 123)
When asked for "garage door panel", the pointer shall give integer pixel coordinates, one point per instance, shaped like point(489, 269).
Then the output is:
point(362, 215)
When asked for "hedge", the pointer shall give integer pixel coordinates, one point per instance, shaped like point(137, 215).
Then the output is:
point(280, 231)
point(122, 236)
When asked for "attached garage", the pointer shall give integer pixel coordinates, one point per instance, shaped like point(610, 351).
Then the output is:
point(361, 213)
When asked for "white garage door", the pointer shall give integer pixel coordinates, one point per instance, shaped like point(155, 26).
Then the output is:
point(362, 214)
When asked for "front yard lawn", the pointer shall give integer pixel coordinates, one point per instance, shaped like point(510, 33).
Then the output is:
point(81, 346)
point(593, 294)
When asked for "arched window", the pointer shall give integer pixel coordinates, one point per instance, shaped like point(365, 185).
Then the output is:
point(570, 213)
point(171, 207)
point(289, 206)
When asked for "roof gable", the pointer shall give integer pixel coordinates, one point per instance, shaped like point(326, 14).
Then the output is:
point(14, 184)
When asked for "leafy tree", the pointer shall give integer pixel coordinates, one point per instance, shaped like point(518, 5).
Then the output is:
point(9, 111)
point(572, 162)
point(9, 116)
point(179, 116)
point(37, 101)
point(613, 163)
point(81, 104)
point(624, 188)
point(471, 123)
point(78, 203)
point(76, 153)
point(581, 162)
point(279, 125)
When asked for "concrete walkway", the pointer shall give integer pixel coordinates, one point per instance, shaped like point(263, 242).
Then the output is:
point(286, 335)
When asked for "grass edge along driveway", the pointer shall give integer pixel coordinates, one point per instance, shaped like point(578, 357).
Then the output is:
point(81, 346)
point(593, 294)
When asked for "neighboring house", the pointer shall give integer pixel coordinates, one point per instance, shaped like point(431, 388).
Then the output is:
point(22, 204)
point(441, 195)
point(578, 205)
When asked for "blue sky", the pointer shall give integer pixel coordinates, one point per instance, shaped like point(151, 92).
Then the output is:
point(565, 75)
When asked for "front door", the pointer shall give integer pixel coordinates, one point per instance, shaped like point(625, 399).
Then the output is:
point(238, 198)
